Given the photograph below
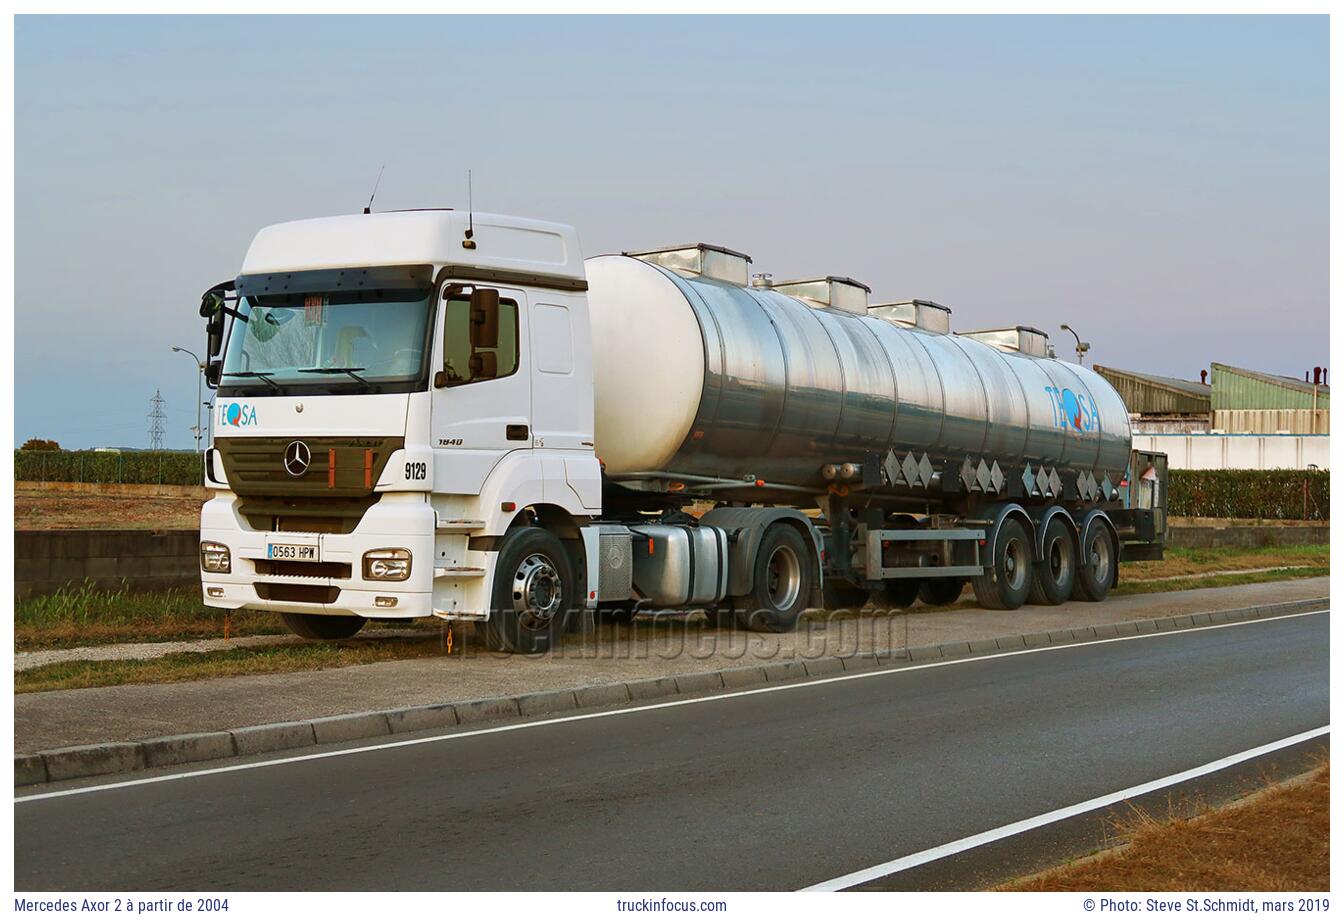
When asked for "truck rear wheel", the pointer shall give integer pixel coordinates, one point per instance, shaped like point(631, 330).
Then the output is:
point(533, 592)
point(782, 584)
point(1007, 582)
point(322, 626)
point(1053, 573)
point(939, 592)
point(1096, 563)
point(897, 594)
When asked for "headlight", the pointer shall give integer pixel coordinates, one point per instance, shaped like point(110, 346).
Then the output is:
point(215, 557)
point(387, 564)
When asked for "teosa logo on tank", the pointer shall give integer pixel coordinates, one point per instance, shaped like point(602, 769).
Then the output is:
point(238, 415)
point(1074, 410)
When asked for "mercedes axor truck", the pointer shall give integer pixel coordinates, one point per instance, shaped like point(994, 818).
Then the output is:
point(430, 414)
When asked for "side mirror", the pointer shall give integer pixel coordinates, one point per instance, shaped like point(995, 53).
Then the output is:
point(484, 318)
point(213, 371)
point(483, 365)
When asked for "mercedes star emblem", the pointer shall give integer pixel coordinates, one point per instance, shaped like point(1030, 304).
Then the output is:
point(297, 458)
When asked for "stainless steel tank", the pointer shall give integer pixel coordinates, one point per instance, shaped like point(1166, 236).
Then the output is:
point(702, 376)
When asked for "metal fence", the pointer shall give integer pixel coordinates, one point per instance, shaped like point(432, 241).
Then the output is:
point(160, 467)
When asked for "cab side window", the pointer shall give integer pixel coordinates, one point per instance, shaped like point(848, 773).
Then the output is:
point(464, 364)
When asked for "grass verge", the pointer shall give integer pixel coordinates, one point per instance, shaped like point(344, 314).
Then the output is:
point(315, 656)
point(1277, 839)
point(1215, 581)
point(1181, 561)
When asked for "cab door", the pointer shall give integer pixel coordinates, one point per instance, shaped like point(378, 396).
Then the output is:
point(481, 405)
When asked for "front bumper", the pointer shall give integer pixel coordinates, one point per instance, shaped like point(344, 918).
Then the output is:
point(399, 520)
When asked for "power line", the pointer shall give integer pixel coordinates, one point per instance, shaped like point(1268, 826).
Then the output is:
point(156, 419)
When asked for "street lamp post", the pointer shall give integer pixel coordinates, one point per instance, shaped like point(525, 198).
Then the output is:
point(1081, 347)
point(200, 372)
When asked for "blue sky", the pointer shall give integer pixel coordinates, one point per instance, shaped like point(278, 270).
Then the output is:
point(1159, 182)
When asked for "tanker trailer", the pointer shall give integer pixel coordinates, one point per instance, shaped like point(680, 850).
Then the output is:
point(431, 413)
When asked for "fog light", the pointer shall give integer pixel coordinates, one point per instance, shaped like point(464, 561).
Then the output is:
point(215, 557)
point(387, 564)
point(384, 602)
point(214, 592)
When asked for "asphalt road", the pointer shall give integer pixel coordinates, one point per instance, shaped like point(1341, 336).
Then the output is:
point(768, 790)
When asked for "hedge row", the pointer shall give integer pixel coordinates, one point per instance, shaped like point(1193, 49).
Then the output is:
point(1278, 495)
point(165, 467)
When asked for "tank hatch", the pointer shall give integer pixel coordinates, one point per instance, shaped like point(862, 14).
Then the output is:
point(705, 259)
point(1023, 339)
point(829, 291)
point(915, 314)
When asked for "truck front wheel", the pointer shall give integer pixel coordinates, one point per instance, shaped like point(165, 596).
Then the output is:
point(533, 592)
point(1007, 582)
point(321, 626)
point(783, 582)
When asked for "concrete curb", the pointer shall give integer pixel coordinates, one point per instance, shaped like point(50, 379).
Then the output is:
point(129, 756)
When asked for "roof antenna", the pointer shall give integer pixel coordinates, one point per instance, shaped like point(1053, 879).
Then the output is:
point(375, 188)
point(469, 243)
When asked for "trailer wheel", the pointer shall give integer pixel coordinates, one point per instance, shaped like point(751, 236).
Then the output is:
point(782, 584)
point(897, 594)
point(321, 626)
point(1096, 564)
point(1007, 583)
point(533, 592)
point(939, 592)
point(1053, 575)
point(837, 595)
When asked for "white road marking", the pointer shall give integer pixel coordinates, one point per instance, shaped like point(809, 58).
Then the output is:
point(1050, 817)
point(608, 713)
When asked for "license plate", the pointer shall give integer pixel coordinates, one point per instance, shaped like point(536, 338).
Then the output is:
point(296, 552)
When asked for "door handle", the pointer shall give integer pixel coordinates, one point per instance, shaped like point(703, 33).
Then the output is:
point(516, 432)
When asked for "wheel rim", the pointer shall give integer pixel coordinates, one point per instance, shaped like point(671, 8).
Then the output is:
point(1100, 552)
point(1014, 564)
point(784, 577)
point(1059, 561)
point(537, 592)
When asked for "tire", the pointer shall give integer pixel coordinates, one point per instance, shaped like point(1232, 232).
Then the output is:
point(1007, 583)
point(617, 611)
point(836, 595)
point(1097, 560)
point(939, 592)
point(321, 626)
point(782, 583)
point(897, 594)
point(533, 594)
point(1053, 574)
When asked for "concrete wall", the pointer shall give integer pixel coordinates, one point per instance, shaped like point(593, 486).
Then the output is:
point(1206, 535)
point(1239, 451)
point(47, 560)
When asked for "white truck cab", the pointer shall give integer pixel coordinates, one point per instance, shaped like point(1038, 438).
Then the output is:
point(395, 391)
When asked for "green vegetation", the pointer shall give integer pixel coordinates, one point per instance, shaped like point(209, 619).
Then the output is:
point(93, 616)
point(149, 466)
point(313, 656)
point(1216, 581)
point(1272, 495)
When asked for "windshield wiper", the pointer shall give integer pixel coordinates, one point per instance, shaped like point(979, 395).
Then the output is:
point(335, 370)
point(260, 375)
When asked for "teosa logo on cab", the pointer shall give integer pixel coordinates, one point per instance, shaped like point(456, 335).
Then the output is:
point(238, 415)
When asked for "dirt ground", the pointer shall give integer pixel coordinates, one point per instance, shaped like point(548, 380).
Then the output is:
point(41, 509)
point(1274, 840)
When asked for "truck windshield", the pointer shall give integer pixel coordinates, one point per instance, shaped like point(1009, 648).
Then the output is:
point(326, 342)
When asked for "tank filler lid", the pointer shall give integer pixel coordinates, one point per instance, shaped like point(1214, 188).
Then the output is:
point(917, 314)
point(1024, 339)
point(705, 259)
point(829, 291)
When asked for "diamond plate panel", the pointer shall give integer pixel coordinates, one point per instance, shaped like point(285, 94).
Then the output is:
point(925, 470)
point(996, 477)
point(982, 477)
point(910, 469)
point(1107, 487)
point(1043, 482)
point(967, 474)
point(892, 468)
point(1029, 481)
point(1055, 482)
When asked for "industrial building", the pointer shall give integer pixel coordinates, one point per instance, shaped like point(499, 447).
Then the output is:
point(1161, 405)
point(1253, 402)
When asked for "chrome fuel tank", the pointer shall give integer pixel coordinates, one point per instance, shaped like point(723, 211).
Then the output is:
point(784, 386)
